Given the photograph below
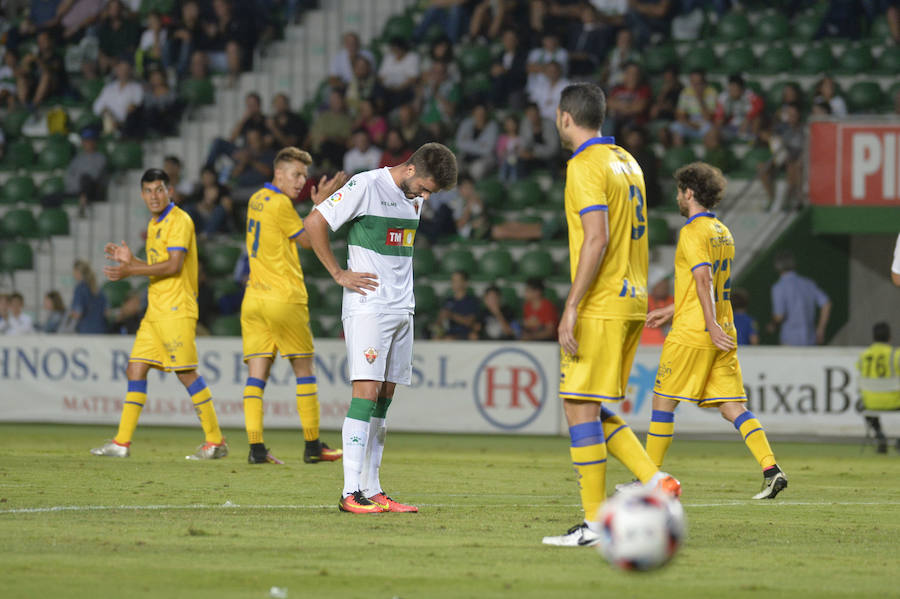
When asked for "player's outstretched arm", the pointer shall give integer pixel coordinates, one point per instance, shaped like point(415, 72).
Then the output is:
point(317, 230)
point(704, 283)
point(660, 316)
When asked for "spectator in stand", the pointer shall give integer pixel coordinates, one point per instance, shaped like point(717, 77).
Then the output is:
point(55, 311)
point(820, 109)
point(363, 85)
point(41, 74)
point(408, 122)
point(340, 73)
point(76, 16)
point(589, 41)
point(18, 322)
point(508, 145)
point(230, 40)
point(253, 118)
point(4, 313)
point(660, 296)
point(211, 207)
point(436, 219)
point(120, 101)
point(451, 16)
point(539, 316)
point(744, 325)
point(162, 107)
point(791, 94)
point(373, 123)
point(441, 50)
point(285, 127)
point(489, 17)
point(85, 176)
point(540, 140)
point(180, 188)
point(549, 51)
point(622, 53)
point(395, 150)
point(475, 142)
point(826, 91)
point(787, 141)
point(330, 131)
point(117, 35)
point(187, 37)
point(695, 111)
point(497, 320)
point(469, 213)
point(459, 316)
point(508, 73)
point(716, 152)
point(794, 303)
point(439, 97)
point(649, 19)
point(666, 101)
point(8, 79)
point(547, 90)
point(253, 162)
point(398, 74)
point(635, 141)
point(88, 307)
point(151, 48)
point(738, 111)
point(362, 155)
point(627, 104)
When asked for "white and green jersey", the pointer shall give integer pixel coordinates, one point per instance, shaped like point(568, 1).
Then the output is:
point(382, 232)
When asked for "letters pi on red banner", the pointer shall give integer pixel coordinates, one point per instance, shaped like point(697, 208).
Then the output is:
point(854, 162)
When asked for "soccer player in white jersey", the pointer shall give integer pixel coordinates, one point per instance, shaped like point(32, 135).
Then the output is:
point(383, 206)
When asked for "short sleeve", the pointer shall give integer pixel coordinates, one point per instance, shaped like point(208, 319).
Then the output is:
point(588, 185)
point(779, 307)
point(695, 248)
point(78, 300)
point(180, 234)
point(289, 221)
point(345, 204)
point(895, 266)
point(821, 297)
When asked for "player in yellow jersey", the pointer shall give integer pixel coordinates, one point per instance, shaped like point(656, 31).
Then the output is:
point(166, 337)
point(274, 313)
point(606, 306)
point(699, 361)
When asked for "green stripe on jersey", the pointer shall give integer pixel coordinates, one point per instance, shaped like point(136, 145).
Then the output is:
point(383, 235)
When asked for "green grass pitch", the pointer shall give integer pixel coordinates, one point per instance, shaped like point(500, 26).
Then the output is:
point(157, 525)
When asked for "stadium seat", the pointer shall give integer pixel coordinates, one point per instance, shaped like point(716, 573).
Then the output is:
point(495, 264)
point(55, 154)
point(772, 27)
point(864, 97)
point(423, 262)
point(227, 326)
point(775, 59)
point(336, 330)
point(162, 7)
point(315, 325)
point(890, 97)
point(804, 27)
point(16, 255)
point(116, 292)
point(511, 299)
point(492, 192)
point(699, 57)
point(855, 60)
point(658, 231)
point(816, 59)
point(12, 124)
point(733, 27)
point(53, 221)
point(474, 59)
point(18, 189)
point(773, 95)
point(535, 264)
point(889, 61)
point(738, 59)
point(749, 162)
point(476, 85)
point(722, 158)
point(19, 154)
point(657, 58)
point(51, 186)
point(675, 158)
point(523, 194)
point(426, 299)
point(310, 264)
point(333, 299)
point(341, 255)
point(880, 31)
point(124, 155)
point(85, 120)
point(18, 224)
point(197, 92)
point(458, 259)
point(221, 260)
point(314, 297)
point(400, 26)
point(556, 195)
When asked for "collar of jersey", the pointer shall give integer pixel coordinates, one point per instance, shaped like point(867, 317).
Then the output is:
point(698, 215)
point(273, 188)
point(609, 140)
point(165, 212)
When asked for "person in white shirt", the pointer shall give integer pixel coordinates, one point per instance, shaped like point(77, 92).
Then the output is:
point(340, 72)
point(476, 139)
point(398, 73)
point(383, 207)
point(119, 100)
point(547, 90)
point(363, 156)
point(18, 322)
point(550, 51)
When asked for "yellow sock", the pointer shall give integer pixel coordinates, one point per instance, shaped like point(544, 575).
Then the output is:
point(659, 438)
point(588, 453)
point(253, 409)
point(131, 411)
point(623, 444)
point(202, 398)
point(308, 406)
point(755, 437)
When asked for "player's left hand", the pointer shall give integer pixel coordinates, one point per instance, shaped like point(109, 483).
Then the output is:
point(119, 253)
point(566, 331)
point(327, 186)
point(721, 339)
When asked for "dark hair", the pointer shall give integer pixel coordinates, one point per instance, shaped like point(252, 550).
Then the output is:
point(706, 181)
point(254, 95)
point(881, 332)
point(740, 299)
point(536, 284)
point(436, 161)
point(737, 79)
point(57, 301)
point(15, 295)
point(586, 103)
point(698, 71)
point(154, 174)
point(493, 289)
point(784, 261)
point(172, 158)
point(462, 273)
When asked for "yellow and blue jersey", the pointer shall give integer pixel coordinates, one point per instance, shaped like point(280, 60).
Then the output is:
point(173, 296)
point(704, 241)
point(272, 229)
point(879, 372)
point(603, 176)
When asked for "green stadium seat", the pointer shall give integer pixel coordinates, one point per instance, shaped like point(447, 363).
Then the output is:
point(19, 154)
point(496, 264)
point(733, 27)
point(333, 299)
point(85, 120)
point(738, 59)
point(658, 231)
point(523, 194)
point(816, 59)
point(197, 92)
point(315, 325)
point(474, 59)
point(220, 260)
point(750, 161)
point(53, 221)
point(804, 27)
point(51, 186)
point(19, 189)
point(890, 97)
point(310, 264)
point(163, 7)
point(772, 27)
point(227, 326)
point(675, 158)
point(865, 97)
point(511, 299)
point(854, 61)
point(401, 26)
point(16, 255)
point(458, 259)
point(12, 124)
point(89, 90)
point(535, 264)
point(775, 59)
point(19, 223)
point(336, 330)
point(722, 158)
point(492, 192)
point(880, 31)
point(426, 299)
point(116, 292)
point(889, 61)
point(56, 154)
point(314, 297)
point(341, 255)
point(124, 155)
point(477, 84)
point(699, 57)
point(657, 58)
point(556, 195)
point(423, 262)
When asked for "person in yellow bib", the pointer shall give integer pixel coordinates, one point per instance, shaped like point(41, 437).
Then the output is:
point(166, 337)
point(879, 380)
point(275, 312)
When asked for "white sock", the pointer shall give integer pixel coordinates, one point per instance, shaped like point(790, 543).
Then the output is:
point(354, 434)
point(374, 452)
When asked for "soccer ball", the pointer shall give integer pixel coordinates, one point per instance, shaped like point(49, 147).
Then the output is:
point(641, 529)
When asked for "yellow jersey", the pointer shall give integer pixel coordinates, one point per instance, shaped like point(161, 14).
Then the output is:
point(879, 377)
point(173, 296)
point(704, 240)
point(602, 176)
point(272, 228)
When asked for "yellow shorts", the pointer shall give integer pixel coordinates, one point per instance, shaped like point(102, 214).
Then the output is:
point(269, 326)
point(704, 376)
point(166, 344)
point(600, 371)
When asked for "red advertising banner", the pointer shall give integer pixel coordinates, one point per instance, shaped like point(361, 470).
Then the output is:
point(854, 163)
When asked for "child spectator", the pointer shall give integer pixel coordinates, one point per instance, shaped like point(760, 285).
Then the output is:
point(497, 319)
point(540, 316)
point(56, 313)
point(508, 145)
point(18, 322)
point(744, 324)
point(459, 316)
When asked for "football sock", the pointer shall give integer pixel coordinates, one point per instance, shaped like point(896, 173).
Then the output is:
point(623, 444)
point(202, 398)
point(375, 447)
point(588, 452)
point(131, 411)
point(659, 438)
point(253, 409)
point(755, 437)
point(308, 406)
point(354, 434)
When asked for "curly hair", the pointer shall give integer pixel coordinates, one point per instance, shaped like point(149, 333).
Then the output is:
point(706, 181)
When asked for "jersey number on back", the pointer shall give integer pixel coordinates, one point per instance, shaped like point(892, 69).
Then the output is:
point(721, 280)
point(637, 227)
point(253, 225)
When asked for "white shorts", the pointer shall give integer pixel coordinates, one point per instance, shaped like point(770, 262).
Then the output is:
point(379, 347)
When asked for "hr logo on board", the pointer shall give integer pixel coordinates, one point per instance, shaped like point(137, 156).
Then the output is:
point(510, 388)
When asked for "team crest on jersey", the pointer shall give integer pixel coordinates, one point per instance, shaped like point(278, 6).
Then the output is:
point(370, 355)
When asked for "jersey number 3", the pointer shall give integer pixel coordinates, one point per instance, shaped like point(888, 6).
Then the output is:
point(638, 228)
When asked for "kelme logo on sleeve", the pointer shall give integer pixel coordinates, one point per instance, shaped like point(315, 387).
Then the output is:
point(400, 237)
